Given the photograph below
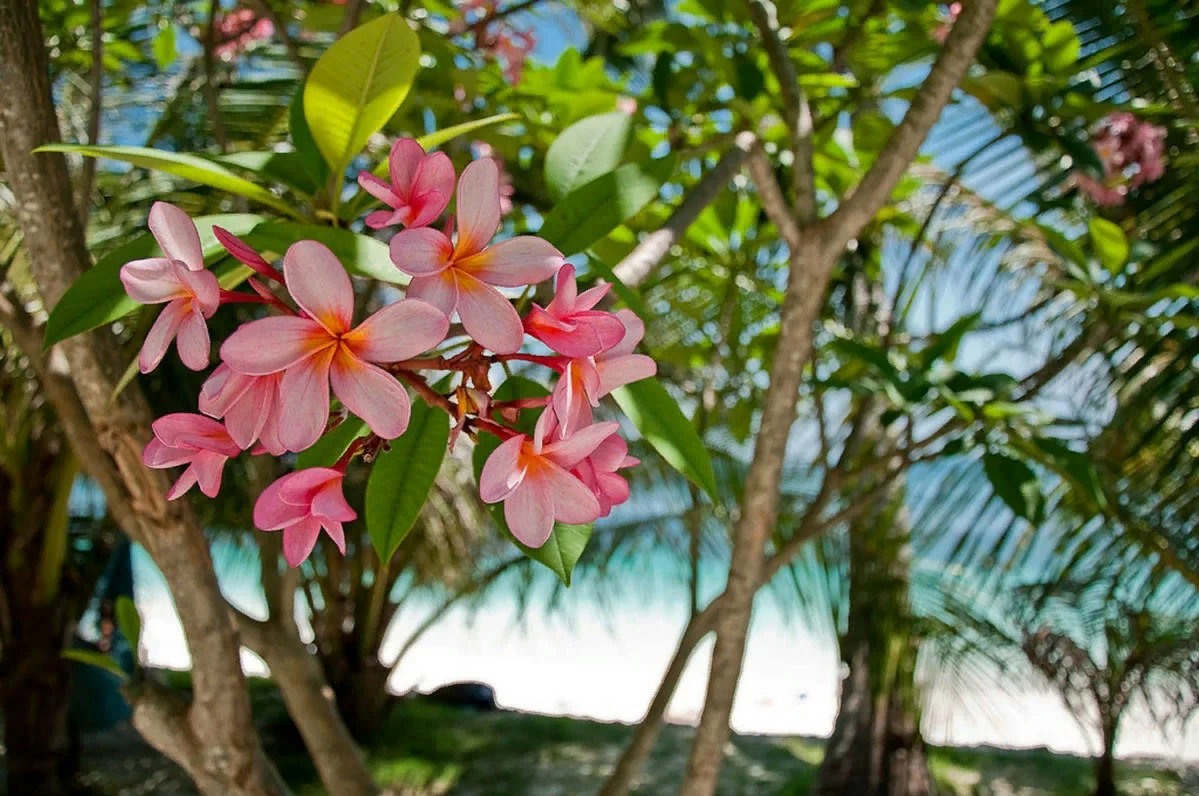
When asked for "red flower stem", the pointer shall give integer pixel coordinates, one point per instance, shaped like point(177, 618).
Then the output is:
point(427, 393)
point(539, 359)
point(233, 297)
point(523, 403)
point(503, 432)
point(355, 446)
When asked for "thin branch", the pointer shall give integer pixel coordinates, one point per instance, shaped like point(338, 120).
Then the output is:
point(773, 201)
point(796, 112)
point(350, 20)
point(94, 110)
point(860, 207)
point(280, 25)
point(638, 264)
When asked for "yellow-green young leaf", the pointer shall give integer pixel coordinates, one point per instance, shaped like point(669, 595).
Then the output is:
point(128, 620)
point(585, 150)
point(402, 477)
point(1111, 247)
point(657, 416)
point(97, 659)
point(98, 297)
point(594, 209)
point(562, 550)
point(164, 47)
point(189, 167)
point(358, 84)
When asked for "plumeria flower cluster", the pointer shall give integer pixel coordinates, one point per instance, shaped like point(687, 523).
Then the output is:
point(496, 37)
point(1133, 153)
point(273, 388)
point(951, 16)
point(238, 29)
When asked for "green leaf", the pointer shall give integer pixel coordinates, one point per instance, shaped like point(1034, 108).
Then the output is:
point(1015, 484)
point(945, 345)
point(657, 416)
point(95, 658)
point(288, 168)
point(562, 550)
point(439, 137)
point(98, 297)
point(585, 150)
point(1111, 247)
point(128, 620)
point(361, 254)
point(301, 138)
point(1075, 466)
point(328, 449)
point(189, 167)
point(593, 210)
point(164, 47)
point(358, 85)
point(402, 477)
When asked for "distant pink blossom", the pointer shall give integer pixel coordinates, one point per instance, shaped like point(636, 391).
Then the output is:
point(322, 347)
point(462, 275)
point(420, 186)
point(942, 31)
point(197, 441)
point(1132, 152)
point(301, 504)
point(250, 406)
point(178, 279)
point(585, 380)
point(598, 472)
point(512, 47)
point(626, 105)
point(569, 325)
point(533, 479)
point(239, 29)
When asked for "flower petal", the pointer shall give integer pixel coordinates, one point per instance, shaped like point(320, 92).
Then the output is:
point(222, 389)
point(516, 262)
point(186, 481)
point(378, 188)
point(330, 503)
point(161, 334)
point(399, 331)
point(272, 513)
point(272, 344)
point(208, 467)
point(502, 472)
point(320, 285)
point(152, 281)
point(372, 394)
point(300, 488)
point(403, 165)
point(573, 501)
point(478, 207)
point(440, 290)
point(422, 251)
point(305, 402)
point(192, 341)
point(569, 400)
point(204, 289)
point(337, 533)
point(529, 512)
point(386, 218)
point(299, 539)
point(634, 331)
point(590, 297)
point(160, 456)
point(618, 371)
point(488, 317)
point(176, 235)
point(579, 445)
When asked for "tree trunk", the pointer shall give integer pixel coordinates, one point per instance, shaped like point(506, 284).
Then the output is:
point(213, 738)
point(35, 683)
point(1105, 766)
point(362, 697)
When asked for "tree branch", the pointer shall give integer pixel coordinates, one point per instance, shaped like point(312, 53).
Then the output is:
point(773, 202)
point(639, 263)
point(94, 110)
point(796, 112)
point(280, 25)
point(210, 94)
point(873, 192)
point(350, 20)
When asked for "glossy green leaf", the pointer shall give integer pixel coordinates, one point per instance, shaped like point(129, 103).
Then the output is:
point(1111, 247)
point(96, 658)
point(358, 85)
point(1015, 484)
point(301, 138)
point(593, 210)
point(585, 150)
point(128, 620)
point(288, 168)
point(189, 167)
point(657, 416)
point(328, 449)
point(98, 297)
point(402, 477)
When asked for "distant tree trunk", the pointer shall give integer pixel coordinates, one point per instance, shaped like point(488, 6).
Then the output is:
point(35, 685)
point(360, 684)
point(1105, 764)
point(876, 748)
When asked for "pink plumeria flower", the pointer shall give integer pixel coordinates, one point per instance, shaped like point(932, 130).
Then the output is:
point(585, 380)
point(240, 28)
point(322, 347)
point(462, 276)
point(250, 406)
point(302, 503)
point(598, 472)
point(200, 442)
point(420, 186)
point(513, 47)
point(533, 479)
point(569, 325)
point(178, 279)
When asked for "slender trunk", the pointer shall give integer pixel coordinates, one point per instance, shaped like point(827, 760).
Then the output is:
point(1105, 765)
point(35, 683)
point(213, 738)
point(309, 700)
